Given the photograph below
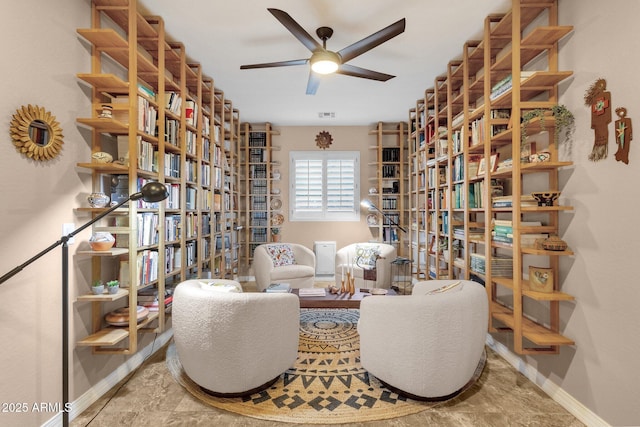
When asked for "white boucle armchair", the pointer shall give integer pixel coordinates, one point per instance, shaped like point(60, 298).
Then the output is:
point(347, 256)
point(234, 343)
point(425, 346)
point(284, 263)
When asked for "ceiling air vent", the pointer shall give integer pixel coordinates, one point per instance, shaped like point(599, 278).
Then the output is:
point(327, 115)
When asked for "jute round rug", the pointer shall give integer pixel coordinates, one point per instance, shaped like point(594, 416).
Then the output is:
point(327, 384)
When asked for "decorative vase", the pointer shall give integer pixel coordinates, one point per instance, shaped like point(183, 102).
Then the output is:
point(98, 200)
point(276, 174)
point(101, 241)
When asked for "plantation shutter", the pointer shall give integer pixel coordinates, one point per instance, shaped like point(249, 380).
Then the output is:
point(340, 185)
point(308, 185)
point(324, 186)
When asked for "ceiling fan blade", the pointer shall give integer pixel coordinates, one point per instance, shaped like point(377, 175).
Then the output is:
point(275, 64)
point(368, 43)
point(351, 70)
point(313, 83)
point(295, 29)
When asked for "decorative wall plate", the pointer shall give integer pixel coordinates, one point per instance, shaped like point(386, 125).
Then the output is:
point(277, 219)
point(276, 203)
point(372, 219)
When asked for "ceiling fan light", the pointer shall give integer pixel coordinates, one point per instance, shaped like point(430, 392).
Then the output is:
point(324, 62)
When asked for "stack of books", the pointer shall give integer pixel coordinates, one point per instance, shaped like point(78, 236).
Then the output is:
point(148, 298)
point(507, 201)
point(312, 292)
point(278, 288)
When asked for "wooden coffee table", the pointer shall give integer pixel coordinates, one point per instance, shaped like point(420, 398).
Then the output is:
point(337, 300)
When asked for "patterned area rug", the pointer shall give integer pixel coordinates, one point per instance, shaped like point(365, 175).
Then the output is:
point(327, 384)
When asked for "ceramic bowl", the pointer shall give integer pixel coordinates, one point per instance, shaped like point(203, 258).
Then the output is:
point(545, 198)
point(101, 241)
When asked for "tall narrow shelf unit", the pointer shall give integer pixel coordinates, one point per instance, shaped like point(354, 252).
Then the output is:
point(391, 184)
point(471, 115)
point(261, 187)
point(164, 127)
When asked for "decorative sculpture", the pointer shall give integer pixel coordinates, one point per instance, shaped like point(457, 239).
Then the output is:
point(598, 99)
point(324, 139)
point(624, 134)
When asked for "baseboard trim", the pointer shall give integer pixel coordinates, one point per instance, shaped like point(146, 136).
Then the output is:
point(79, 405)
point(557, 393)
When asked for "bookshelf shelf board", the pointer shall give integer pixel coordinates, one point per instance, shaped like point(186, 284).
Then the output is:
point(104, 297)
point(105, 337)
point(105, 125)
point(534, 251)
point(532, 331)
point(111, 168)
point(111, 252)
point(150, 318)
point(538, 296)
point(106, 83)
point(111, 43)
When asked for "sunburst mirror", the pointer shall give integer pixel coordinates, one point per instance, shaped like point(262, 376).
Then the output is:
point(36, 133)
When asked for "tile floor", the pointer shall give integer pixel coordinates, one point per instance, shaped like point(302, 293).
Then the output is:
point(502, 397)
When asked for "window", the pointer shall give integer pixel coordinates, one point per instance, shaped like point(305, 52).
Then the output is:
point(324, 186)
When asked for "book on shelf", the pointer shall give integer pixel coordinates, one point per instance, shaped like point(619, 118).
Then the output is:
point(507, 201)
point(278, 288)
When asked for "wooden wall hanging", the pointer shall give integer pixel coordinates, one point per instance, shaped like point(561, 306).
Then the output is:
point(624, 135)
point(599, 101)
point(324, 139)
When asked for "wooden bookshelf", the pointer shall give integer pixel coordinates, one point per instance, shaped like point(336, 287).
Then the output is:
point(391, 183)
point(171, 122)
point(463, 101)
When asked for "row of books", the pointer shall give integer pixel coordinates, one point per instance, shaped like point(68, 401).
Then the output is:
point(390, 154)
point(507, 83)
point(501, 265)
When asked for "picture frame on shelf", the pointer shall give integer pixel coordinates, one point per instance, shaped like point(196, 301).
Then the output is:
point(541, 279)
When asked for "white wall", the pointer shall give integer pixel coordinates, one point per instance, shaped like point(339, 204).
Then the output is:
point(602, 370)
point(41, 56)
point(302, 138)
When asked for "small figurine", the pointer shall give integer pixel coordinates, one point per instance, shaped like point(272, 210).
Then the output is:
point(624, 135)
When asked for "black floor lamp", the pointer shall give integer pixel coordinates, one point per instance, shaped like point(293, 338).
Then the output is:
point(150, 192)
point(369, 205)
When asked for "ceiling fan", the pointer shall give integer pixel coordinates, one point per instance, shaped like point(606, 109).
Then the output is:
point(325, 61)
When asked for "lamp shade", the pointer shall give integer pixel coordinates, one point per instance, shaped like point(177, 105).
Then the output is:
point(151, 192)
point(324, 62)
point(367, 204)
